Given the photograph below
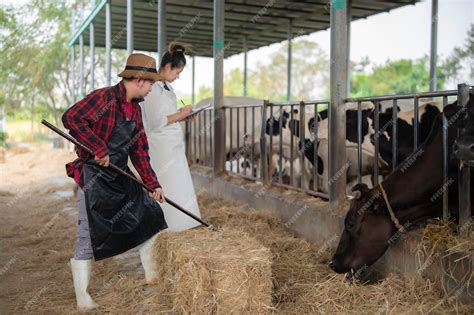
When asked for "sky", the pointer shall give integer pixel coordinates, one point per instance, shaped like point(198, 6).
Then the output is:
point(400, 33)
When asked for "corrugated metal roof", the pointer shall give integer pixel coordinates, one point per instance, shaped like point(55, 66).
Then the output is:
point(261, 22)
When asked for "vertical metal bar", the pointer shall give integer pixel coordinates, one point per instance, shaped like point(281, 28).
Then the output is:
point(238, 140)
point(245, 138)
point(359, 141)
point(205, 135)
point(81, 66)
point(377, 148)
point(416, 123)
point(280, 147)
point(253, 140)
point(193, 80)
point(290, 37)
point(315, 138)
point(210, 136)
point(292, 156)
point(108, 44)
point(161, 24)
point(129, 26)
point(464, 174)
point(245, 65)
point(445, 163)
point(231, 157)
point(195, 154)
point(434, 44)
point(92, 54)
point(72, 52)
point(211, 127)
point(201, 155)
point(301, 150)
point(270, 147)
point(263, 144)
point(394, 133)
point(219, 149)
point(340, 25)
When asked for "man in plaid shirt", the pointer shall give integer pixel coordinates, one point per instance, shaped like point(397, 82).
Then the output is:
point(109, 122)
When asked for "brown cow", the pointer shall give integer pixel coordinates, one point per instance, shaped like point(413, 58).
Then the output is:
point(412, 194)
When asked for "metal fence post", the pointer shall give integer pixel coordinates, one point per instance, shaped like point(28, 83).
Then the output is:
point(464, 174)
point(263, 144)
point(340, 25)
point(218, 100)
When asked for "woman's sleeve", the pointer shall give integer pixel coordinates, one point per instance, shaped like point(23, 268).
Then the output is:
point(154, 111)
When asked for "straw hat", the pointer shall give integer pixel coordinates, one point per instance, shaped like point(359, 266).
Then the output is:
point(140, 66)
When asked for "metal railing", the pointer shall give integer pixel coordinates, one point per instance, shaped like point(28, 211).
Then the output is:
point(199, 139)
point(276, 144)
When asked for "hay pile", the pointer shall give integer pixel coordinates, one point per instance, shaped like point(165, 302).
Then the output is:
point(204, 271)
point(303, 282)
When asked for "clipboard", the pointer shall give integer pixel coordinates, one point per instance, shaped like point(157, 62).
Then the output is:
point(197, 110)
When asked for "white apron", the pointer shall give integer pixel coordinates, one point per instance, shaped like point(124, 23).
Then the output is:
point(168, 158)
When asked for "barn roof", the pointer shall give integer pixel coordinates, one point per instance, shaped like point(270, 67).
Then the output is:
point(261, 22)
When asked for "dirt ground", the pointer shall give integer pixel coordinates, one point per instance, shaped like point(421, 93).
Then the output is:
point(37, 233)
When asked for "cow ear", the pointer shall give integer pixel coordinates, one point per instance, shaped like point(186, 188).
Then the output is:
point(454, 115)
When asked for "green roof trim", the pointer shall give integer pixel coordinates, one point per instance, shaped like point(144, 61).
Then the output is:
point(86, 22)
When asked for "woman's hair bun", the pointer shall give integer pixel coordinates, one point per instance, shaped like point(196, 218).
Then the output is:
point(178, 47)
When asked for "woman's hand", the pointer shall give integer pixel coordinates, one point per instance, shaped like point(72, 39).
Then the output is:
point(185, 110)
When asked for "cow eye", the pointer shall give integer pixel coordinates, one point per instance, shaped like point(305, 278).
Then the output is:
point(349, 226)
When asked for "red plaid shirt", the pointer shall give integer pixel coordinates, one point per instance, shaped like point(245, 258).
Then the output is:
point(91, 121)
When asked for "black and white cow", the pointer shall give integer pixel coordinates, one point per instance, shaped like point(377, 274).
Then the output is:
point(405, 130)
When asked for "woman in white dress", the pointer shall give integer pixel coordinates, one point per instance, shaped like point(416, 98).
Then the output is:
point(165, 138)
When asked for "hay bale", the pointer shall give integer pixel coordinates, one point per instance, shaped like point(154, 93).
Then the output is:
point(214, 272)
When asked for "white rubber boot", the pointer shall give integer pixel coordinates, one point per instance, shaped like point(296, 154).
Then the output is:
point(81, 274)
point(148, 261)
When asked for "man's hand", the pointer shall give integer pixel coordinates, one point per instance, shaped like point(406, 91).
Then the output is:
point(158, 195)
point(105, 161)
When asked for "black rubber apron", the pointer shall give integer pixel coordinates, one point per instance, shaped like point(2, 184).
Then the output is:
point(121, 214)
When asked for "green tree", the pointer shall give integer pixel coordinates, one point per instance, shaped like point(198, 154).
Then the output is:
point(394, 77)
point(453, 66)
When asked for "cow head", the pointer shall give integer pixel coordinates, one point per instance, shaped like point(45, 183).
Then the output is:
point(463, 119)
point(273, 124)
point(366, 234)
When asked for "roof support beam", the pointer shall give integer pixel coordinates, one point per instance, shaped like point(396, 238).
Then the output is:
point(218, 101)
point(161, 25)
point(434, 44)
point(108, 44)
point(340, 25)
point(130, 26)
point(288, 78)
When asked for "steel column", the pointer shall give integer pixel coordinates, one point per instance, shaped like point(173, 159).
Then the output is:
point(108, 44)
point(161, 24)
point(340, 24)
point(218, 101)
point(434, 44)
point(193, 80)
point(245, 66)
point(129, 26)
point(81, 66)
point(290, 37)
point(92, 54)
point(464, 175)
